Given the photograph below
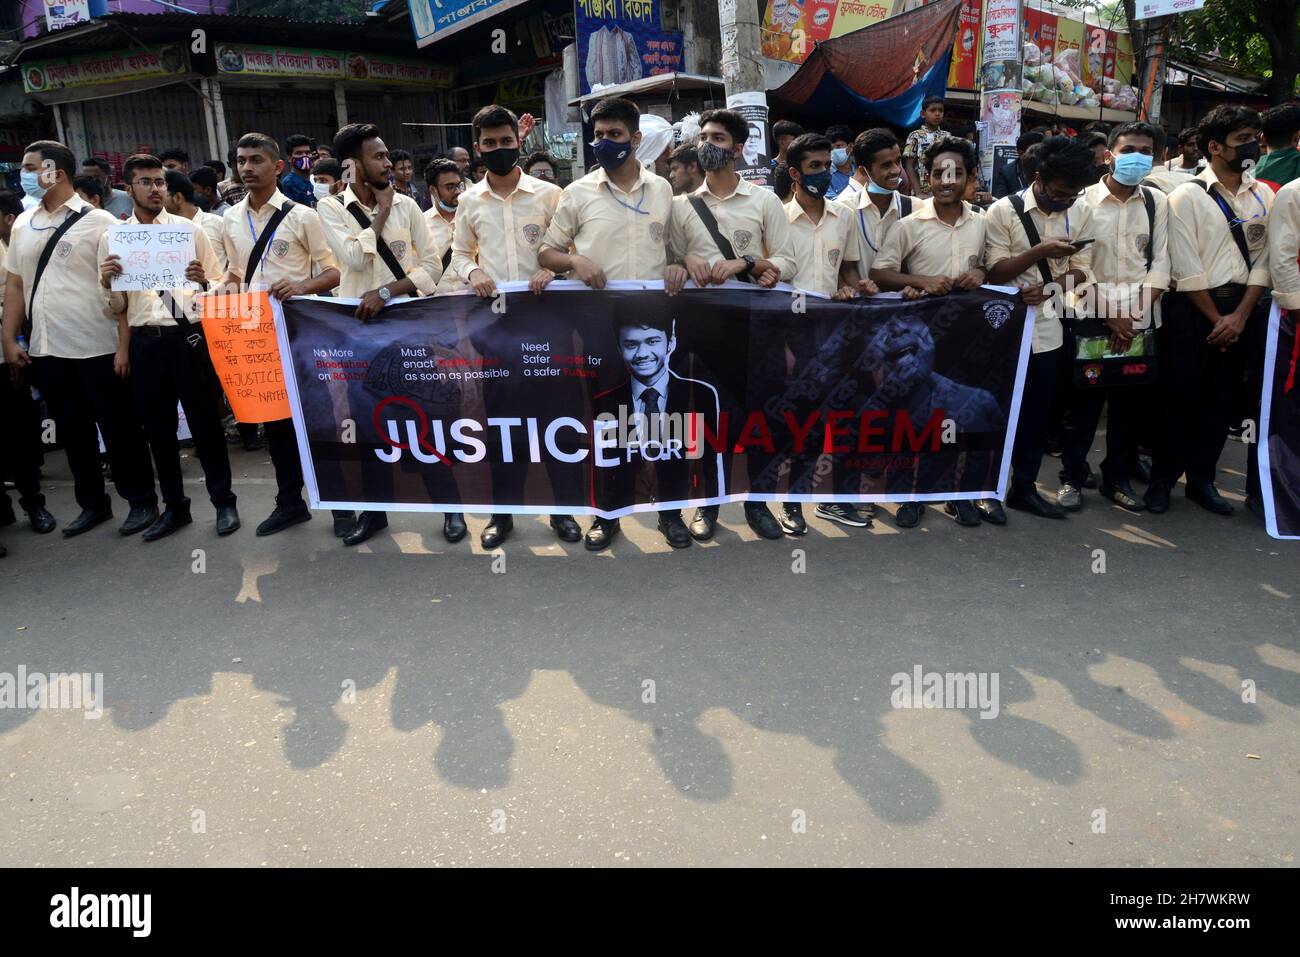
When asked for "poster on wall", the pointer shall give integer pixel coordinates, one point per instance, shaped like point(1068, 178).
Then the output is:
point(619, 42)
point(753, 165)
point(66, 13)
point(964, 72)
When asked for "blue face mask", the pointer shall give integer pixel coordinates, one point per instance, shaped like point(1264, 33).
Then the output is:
point(32, 184)
point(816, 184)
point(1131, 168)
point(878, 190)
point(445, 208)
point(611, 155)
point(839, 156)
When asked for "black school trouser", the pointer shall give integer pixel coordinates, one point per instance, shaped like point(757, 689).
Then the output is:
point(282, 441)
point(1198, 388)
point(20, 443)
point(1127, 407)
point(1041, 381)
point(83, 393)
point(166, 369)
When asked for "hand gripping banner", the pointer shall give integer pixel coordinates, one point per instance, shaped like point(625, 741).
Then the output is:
point(626, 399)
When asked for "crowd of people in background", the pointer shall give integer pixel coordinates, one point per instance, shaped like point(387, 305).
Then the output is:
point(1182, 239)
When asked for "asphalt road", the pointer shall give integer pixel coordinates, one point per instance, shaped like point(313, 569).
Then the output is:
point(502, 715)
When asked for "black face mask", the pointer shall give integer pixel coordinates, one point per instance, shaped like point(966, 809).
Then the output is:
point(1244, 152)
point(1049, 205)
point(501, 161)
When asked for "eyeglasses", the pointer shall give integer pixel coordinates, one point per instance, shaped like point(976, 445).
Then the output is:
point(160, 183)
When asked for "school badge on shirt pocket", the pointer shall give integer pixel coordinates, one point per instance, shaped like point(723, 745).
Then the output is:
point(657, 232)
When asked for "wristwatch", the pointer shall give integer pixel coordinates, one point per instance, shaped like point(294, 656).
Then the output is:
point(749, 264)
point(384, 294)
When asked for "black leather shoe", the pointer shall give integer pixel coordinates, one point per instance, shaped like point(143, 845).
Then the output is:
point(172, 518)
point(454, 527)
point(1028, 500)
point(87, 520)
point(908, 515)
point(964, 511)
point(792, 520)
point(762, 521)
point(497, 531)
point(367, 524)
point(227, 520)
point(1256, 507)
point(42, 521)
point(138, 519)
point(990, 510)
point(566, 529)
point(1122, 494)
point(601, 534)
point(282, 518)
point(344, 523)
point(704, 524)
point(1157, 498)
point(1208, 497)
point(674, 529)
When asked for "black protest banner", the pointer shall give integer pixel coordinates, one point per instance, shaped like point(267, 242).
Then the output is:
point(626, 399)
point(1279, 427)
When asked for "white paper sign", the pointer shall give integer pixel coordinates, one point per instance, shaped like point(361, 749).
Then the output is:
point(1146, 9)
point(154, 256)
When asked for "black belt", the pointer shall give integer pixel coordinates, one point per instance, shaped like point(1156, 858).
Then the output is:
point(157, 330)
point(1231, 290)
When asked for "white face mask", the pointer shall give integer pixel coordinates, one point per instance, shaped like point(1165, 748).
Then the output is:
point(322, 190)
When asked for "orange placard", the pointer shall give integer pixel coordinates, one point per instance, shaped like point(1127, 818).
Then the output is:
point(241, 339)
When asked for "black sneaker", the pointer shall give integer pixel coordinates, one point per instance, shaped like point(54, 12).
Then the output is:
point(792, 521)
point(846, 513)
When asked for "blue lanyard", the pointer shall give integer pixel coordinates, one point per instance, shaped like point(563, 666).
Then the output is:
point(265, 252)
point(640, 199)
point(862, 222)
point(1227, 210)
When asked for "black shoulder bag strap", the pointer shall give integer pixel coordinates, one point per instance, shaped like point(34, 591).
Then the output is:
point(1149, 202)
point(385, 253)
point(259, 248)
point(1031, 232)
point(446, 259)
point(904, 207)
point(711, 224)
point(44, 261)
point(1238, 233)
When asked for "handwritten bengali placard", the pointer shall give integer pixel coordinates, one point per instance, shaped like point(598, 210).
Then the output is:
point(240, 332)
point(154, 256)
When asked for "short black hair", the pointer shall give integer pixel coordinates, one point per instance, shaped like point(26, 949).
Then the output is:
point(1067, 160)
point(1092, 139)
point(686, 156)
point(871, 142)
point(1218, 124)
point(1135, 128)
point(11, 203)
point(1029, 161)
point(259, 141)
point(963, 147)
point(532, 159)
point(929, 101)
point(493, 115)
point(661, 319)
point(204, 176)
point(439, 166)
point(1026, 140)
point(803, 145)
point(477, 162)
point(294, 140)
point(785, 128)
point(616, 108)
point(98, 163)
point(398, 155)
point(175, 153)
point(217, 167)
point(56, 153)
point(840, 132)
point(737, 126)
point(91, 186)
point(178, 182)
point(1188, 135)
point(1280, 123)
point(139, 161)
point(328, 167)
point(348, 140)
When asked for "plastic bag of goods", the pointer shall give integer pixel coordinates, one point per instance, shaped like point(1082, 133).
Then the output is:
point(1033, 55)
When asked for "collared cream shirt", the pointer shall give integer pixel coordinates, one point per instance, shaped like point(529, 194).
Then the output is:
point(146, 307)
point(820, 248)
point(1123, 234)
point(1202, 251)
point(924, 245)
point(870, 227)
point(356, 249)
point(69, 317)
point(1284, 246)
point(502, 235)
point(751, 218)
point(297, 251)
point(624, 233)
